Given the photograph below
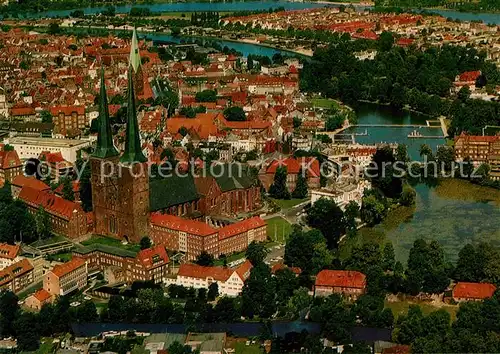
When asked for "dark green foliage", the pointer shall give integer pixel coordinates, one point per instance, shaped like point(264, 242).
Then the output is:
point(145, 243)
point(279, 189)
point(259, 292)
point(301, 189)
point(205, 259)
point(327, 217)
point(235, 114)
point(300, 250)
point(256, 253)
point(206, 96)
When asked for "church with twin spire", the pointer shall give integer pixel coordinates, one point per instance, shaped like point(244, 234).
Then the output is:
point(120, 182)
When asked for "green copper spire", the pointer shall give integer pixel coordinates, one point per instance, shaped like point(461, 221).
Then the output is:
point(105, 147)
point(133, 152)
point(135, 56)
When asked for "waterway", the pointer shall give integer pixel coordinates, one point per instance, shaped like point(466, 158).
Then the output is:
point(375, 114)
point(453, 212)
point(255, 5)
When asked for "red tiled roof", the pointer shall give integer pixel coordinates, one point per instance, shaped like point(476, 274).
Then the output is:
point(9, 159)
point(22, 111)
point(469, 76)
point(42, 295)
point(179, 224)
point(152, 257)
point(9, 251)
point(466, 290)
point(31, 182)
point(67, 110)
point(61, 270)
point(15, 270)
point(280, 266)
point(240, 227)
point(244, 270)
point(201, 272)
point(52, 203)
point(397, 349)
point(478, 138)
point(52, 157)
point(293, 165)
point(341, 278)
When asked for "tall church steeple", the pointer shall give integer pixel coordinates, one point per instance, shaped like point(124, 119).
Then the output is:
point(133, 152)
point(105, 147)
point(135, 56)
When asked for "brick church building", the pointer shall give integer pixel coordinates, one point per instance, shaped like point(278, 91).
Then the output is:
point(120, 184)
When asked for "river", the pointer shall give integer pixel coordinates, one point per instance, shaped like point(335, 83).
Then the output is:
point(255, 5)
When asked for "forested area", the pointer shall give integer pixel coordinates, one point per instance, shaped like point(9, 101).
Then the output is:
point(419, 79)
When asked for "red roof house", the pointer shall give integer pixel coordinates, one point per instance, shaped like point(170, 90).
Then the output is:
point(465, 291)
point(346, 282)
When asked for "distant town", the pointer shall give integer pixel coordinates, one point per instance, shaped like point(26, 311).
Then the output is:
point(333, 189)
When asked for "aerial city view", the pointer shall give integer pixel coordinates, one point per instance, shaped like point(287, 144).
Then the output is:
point(245, 177)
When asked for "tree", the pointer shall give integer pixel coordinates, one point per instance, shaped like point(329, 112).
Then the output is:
point(145, 243)
point(46, 116)
point(256, 253)
point(259, 292)
point(206, 96)
point(279, 189)
point(43, 224)
point(67, 191)
point(213, 292)
point(286, 283)
point(178, 348)
point(326, 216)
point(86, 312)
point(388, 257)
point(464, 93)
point(445, 156)
point(408, 195)
point(321, 257)
point(300, 301)
point(402, 153)
point(372, 210)
point(386, 41)
point(351, 212)
point(9, 309)
point(27, 332)
point(235, 114)
point(54, 28)
point(335, 318)
point(297, 122)
point(300, 249)
point(205, 259)
point(301, 189)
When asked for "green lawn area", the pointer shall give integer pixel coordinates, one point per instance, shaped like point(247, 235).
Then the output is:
point(229, 259)
point(45, 347)
point(242, 348)
point(111, 242)
point(48, 241)
point(324, 103)
point(401, 307)
point(278, 228)
point(62, 257)
point(290, 203)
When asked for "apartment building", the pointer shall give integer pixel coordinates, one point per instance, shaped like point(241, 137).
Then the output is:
point(194, 237)
point(10, 166)
point(9, 254)
point(17, 276)
point(67, 277)
point(229, 281)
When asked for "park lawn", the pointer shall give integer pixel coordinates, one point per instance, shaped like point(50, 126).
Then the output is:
point(62, 257)
point(242, 348)
point(325, 103)
point(46, 347)
point(288, 203)
point(111, 242)
point(401, 307)
point(278, 229)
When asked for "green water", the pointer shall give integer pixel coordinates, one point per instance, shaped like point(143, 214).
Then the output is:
point(374, 114)
point(454, 213)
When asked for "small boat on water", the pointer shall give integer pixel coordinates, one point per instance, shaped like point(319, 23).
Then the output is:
point(415, 134)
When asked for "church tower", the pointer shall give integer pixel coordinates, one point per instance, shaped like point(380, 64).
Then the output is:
point(120, 185)
point(136, 65)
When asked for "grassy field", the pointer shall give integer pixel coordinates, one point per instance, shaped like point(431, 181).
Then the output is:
point(242, 348)
point(48, 241)
point(324, 103)
point(62, 257)
point(278, 228)
point(111, 242)
point(401, 307)
point(287, 204)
